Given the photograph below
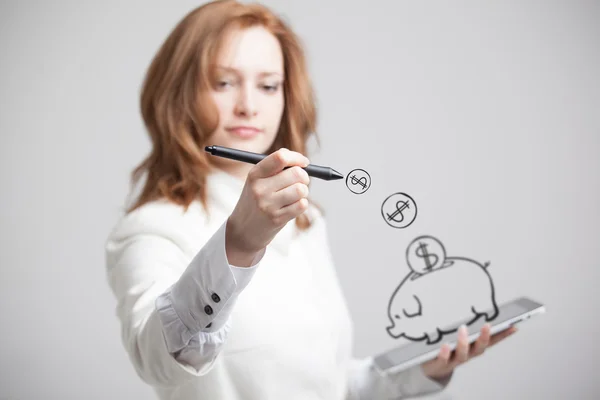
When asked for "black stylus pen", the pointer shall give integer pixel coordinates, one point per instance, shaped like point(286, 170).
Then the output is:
point(317, 171)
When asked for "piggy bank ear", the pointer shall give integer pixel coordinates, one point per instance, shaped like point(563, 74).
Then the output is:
point(413, 310)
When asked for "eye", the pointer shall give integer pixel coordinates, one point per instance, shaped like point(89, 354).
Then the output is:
point(397, 316)
point(223, 83)
point(271, 88)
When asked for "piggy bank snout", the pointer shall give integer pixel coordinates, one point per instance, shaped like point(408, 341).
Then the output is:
point(394, 330)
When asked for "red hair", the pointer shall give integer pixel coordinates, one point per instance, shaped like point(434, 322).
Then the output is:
point(179, 115)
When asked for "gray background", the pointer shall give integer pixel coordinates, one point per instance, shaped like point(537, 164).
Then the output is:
point(485, 112)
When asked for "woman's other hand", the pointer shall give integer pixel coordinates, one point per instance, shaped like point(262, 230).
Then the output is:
point(447, 360)
point(271, 197)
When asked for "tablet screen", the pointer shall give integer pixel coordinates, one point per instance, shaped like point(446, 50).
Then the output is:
point(397, 356)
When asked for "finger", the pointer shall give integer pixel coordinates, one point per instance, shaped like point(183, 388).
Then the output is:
point(293, 210)
point(290, 195)
point(276, 162)
point(461, 352)
point(444, 355)
point(440, 364)
point(482, 342)
point(284, 179)
point(502, 335)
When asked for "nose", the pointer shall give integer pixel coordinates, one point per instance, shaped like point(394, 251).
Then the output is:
point(246, 103)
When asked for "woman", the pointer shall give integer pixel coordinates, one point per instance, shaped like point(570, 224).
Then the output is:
point(225, 285)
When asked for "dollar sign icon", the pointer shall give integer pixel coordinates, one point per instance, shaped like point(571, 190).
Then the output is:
point(422, 252)
point(362, 181)
point(425, 254)
point(358, 181)
point(399, 210)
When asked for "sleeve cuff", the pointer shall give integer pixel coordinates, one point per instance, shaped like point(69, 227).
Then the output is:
point(202, 298)
point(243, 275)
point(177, 335)
point(205, 286)
point(410, 382)
point(417, 382)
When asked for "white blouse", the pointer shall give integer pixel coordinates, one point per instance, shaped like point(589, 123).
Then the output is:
point(196, 327)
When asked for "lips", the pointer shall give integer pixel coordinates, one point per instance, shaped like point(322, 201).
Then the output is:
point(244, 131)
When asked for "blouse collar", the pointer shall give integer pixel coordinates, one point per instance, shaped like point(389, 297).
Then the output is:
point(224, 191)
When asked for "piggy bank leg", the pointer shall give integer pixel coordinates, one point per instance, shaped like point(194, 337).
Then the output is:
point(488, 309)
point(486, 300)
point(434, 337)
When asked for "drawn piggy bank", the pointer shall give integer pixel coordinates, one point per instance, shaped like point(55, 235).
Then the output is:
point(430, 300)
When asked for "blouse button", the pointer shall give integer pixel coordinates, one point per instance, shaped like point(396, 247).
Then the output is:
point(216, 298)
point(208, 310)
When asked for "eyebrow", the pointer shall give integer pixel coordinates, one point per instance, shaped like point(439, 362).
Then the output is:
point(261, 74)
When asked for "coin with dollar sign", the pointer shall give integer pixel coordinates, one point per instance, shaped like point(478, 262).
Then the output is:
point(399, 210)
point(358, 181)
point(424, 254)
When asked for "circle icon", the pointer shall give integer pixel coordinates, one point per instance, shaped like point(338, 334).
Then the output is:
point(399, 210)
point(358, 181)
point(425, 254)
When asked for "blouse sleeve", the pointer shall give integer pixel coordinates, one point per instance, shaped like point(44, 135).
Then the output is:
point(365, 382)
point(173, 324)
point(202, 348)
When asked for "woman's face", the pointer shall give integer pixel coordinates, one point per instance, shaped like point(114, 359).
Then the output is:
point(248, 93)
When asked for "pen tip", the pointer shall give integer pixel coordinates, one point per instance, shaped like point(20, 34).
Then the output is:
point(208, 148)
point(336, 175)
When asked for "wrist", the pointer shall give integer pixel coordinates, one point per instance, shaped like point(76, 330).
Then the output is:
point(238, 253)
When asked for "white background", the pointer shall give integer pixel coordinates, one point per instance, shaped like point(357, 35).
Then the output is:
point(485, 112)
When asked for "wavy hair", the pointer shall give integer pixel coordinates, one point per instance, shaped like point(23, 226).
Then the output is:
point(180, 116)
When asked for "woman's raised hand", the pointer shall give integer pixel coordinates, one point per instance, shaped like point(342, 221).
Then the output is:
point(275, 192)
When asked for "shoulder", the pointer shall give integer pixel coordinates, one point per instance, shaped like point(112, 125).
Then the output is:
point(160, 219)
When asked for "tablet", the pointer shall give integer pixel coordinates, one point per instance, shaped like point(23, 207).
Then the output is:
point(409, 355)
